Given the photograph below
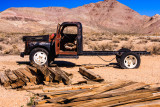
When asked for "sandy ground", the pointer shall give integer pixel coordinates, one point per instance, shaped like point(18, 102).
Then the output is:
point(149, 72)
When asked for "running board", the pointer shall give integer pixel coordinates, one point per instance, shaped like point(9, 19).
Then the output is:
point(68, 56)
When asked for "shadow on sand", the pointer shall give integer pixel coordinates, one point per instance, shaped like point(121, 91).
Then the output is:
point(71, 64)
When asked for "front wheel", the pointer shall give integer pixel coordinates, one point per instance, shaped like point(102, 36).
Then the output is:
point(130, 60)
point(39, 56)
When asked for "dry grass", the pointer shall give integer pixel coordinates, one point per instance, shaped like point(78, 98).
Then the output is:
point(11, 43)
point(115, 40)
point(154, 49)
point(142, 42)
point(123, 38)
point(103, 47)
point(153, 39)
point(128, 46)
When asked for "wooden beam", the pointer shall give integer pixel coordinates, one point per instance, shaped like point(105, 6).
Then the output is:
point(21, 76)
point(101, 89)
point(55, 75)
point(32, 87)
point(17, 84)
point(40, 102)
point(71, 88)
point(60, 99)
point(64, 76)
point(4, 80)
point(11, 75)
point(150, 98)
point(109, 94)
point(116, 100)
point(32, 69)
point(89, 74)
point(31, 77)
point(60, 92)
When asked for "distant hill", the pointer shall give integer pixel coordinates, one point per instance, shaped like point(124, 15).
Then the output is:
point(109, 16)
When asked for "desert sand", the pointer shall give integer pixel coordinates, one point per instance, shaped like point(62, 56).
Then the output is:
point(148, 72)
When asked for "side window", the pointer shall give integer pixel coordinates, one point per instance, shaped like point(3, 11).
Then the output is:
point(70, 30)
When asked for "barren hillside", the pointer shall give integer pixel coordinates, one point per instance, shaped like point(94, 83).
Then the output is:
point(105, 16)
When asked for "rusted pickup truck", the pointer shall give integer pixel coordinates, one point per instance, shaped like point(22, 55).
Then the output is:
point(42, 50)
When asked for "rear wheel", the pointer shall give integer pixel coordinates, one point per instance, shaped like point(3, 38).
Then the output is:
point(130, 60)
point(39, 56)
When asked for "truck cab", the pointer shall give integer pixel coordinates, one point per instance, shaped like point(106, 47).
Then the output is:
point(66, 42)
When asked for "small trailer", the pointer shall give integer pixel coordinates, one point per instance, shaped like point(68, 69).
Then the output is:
point(45, 48)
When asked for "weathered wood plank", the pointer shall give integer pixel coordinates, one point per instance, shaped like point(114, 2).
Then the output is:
point(11, 75)
point(71, 88)
point(40, 102)
point(17, 84)
point(101, 89)
point(32, 69)
point(150, 98)
point(56, 76)
point(131, 87)
point(111, 94)
point(89, 74)
point(47, 74)
point(49, 105)
point(4, 80)
point(60, 99)
point(116, 100)
point(31, 77)
point(60, 92)
point(21, 76)
point(64, 76)
point(32, 87)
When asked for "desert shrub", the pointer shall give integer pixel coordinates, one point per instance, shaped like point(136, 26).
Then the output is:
point(142, 42)
point(123, 38)
point(128, 46)
point(153, 39)
point(115, 40)
point(98, 37)
point(141, 37)
point(31, 102)
point(154, 49)
point(103, 47)
point(12, 51)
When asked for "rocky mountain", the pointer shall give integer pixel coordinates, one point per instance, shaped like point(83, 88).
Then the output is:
point(105, 16)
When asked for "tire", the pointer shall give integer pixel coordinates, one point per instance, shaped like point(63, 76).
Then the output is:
point(39, 56)
point(118, 58)
point(130, 60)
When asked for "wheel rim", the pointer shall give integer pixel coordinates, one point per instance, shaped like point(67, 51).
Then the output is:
point(40, 58)
point(130, 61)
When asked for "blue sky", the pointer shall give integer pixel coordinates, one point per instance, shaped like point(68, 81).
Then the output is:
point(144, 7)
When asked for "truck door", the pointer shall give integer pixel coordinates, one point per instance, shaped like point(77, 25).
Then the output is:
point(57, 40)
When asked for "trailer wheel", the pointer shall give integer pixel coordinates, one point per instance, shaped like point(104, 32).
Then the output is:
point(130, 60)
point(39, 56)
